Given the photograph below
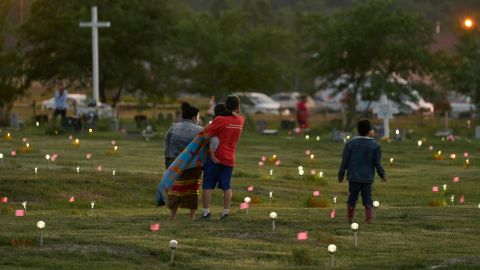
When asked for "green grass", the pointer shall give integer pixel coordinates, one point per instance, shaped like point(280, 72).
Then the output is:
point(407, 233)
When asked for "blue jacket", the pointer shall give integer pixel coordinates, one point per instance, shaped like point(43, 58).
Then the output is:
point(361, 156)
point(179, 135)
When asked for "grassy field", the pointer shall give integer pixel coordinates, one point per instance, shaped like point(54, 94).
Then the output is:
point(408, 233)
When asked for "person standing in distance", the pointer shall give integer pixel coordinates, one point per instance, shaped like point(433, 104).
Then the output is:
point(60, 101)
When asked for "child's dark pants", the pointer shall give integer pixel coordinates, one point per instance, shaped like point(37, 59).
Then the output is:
point(354, 188)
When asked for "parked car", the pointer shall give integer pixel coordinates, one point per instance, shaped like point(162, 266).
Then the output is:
point(258, 103)
point(82, 106)
point(72, 99)
point(88, 106)
point(331, 100)
point(461, 105)
point(289, 100)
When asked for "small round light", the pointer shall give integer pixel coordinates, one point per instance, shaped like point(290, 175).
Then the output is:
point(173, 244)
point(273, 215)
point(468, 23)
point(376, 204)
point(354, 226)
point(247, 200)
point(47, 157)
point(332, 248)
point(41, 225)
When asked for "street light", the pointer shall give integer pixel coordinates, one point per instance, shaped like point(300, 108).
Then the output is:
point(468, 23)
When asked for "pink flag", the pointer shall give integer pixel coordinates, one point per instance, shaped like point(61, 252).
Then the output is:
point(13, 153)
point(260, 163)
point(24, 140)
point(465, 155)
point(316, 193)
point(99, 168)
point(250, 188)
point(313, 172)
point(54, 157)
point(435, 189)
point(302, 236)
point(89, 156)
point(307, 152)
point(244, 206)
point(155, 227)
point(70, 137)
point(462, 199)
point(456, 179)
point(332, 213)
point(72, 199)
point(278, 162)
point(114, 142)
point(263, 158)
point(19, 213)
point(4, 199)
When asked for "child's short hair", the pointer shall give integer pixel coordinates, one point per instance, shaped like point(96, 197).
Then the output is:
point(232, 103)
point(219, 109)
point(364, 127)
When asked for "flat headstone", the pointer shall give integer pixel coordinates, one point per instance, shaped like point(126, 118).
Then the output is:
point(444, 133)
point(270, 132)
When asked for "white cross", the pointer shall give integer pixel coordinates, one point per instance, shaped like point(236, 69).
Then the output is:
point(385, 111)
point(95, 24)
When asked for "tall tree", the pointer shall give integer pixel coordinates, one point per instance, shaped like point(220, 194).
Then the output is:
point(372, 41)
point(56, 47)
point(12, 83)
point(228, 53)
point(465, 65)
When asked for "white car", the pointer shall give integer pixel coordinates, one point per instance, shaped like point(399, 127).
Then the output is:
point(83, 106)
point(257, 103)
point(74, 99)
point(289, 100)
point(329, 100)
point(417, 103)
point(461, 105)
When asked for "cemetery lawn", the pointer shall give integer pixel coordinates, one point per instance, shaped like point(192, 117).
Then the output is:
point(407, 232)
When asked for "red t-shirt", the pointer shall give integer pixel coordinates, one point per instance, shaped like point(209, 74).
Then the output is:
point(228, 130)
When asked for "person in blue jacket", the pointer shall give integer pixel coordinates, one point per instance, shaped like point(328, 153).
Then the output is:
point(361, 157)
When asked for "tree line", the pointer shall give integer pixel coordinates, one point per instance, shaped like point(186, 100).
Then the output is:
point(156, 48)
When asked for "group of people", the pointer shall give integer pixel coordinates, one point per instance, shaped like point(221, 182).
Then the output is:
point(361, 157)
point(224, 131)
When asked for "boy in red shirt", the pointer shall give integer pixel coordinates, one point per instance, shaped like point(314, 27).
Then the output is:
point(228, 129)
